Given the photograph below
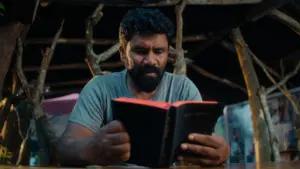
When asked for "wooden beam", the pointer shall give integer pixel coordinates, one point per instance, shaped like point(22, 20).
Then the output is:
point(68, 83)
point(51, 93)
point(154, 2)
point(109, 65)
point(78, 41)
point(106, 65)
point(60, 84)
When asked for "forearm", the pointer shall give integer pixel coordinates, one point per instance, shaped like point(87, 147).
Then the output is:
point(72, 152)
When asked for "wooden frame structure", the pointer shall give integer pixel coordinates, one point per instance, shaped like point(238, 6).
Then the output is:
point(257, 94)
point(155, 2)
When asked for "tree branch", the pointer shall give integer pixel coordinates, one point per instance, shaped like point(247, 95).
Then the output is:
point(92, 58)
point(19, 68)
point(258, 11)
point(44, 133)
point(286, 19)
point(286, 78)
point(209, 75)
point(47, 56)
point(285, 91)
point(37, 3)
point(259, 113)
point(264, 67)
point(180, 65)
point(108, 53)
point(230, 47)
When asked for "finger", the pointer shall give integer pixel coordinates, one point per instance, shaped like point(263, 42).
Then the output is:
point(214, 141)
point(201, 150)
point(198, 161)
point(118, 138)
point(120, 150)
point(114, 127)
point(125, 157)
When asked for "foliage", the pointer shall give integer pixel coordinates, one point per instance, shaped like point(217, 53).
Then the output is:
point(5, 155)
point(2, 9)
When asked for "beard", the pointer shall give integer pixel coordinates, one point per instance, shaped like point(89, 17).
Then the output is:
point(143, 81)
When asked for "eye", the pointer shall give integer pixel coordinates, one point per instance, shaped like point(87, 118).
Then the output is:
point(141, 51)
point(158, 51)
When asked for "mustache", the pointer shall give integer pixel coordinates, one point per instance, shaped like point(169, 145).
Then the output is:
point(150, 69)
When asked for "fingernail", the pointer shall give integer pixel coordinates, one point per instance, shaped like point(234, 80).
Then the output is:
point(184, 146)
point(180, 158)
point(191, 137)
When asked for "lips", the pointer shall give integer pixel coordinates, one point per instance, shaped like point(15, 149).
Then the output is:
point(152, 74)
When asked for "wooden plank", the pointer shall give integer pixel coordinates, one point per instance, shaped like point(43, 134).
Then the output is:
point(155, 2)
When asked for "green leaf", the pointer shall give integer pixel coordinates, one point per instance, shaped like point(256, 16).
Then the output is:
point(2, 6)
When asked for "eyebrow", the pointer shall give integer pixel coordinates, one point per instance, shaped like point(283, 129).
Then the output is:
point(137, 46)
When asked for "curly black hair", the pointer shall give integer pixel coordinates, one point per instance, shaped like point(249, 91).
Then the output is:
point(144, 21)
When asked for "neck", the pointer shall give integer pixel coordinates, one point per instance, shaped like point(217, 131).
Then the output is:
point(136, 92)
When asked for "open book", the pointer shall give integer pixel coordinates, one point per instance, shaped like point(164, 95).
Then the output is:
point(157, 129)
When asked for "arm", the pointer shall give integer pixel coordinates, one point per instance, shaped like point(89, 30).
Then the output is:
point(85, 119)
point(72, 144)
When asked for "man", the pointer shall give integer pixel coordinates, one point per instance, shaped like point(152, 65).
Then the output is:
point(145, 37)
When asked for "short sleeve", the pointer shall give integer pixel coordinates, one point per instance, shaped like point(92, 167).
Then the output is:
point(190, 90)
point(90, 106)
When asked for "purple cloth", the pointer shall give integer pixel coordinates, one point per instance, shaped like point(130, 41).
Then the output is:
point(60, 105)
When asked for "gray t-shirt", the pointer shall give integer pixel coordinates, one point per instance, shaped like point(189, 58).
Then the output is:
point(94, 102)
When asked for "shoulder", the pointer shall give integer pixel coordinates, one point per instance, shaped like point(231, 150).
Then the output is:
point(101, 81)
point(99, 86)
point(186, 89)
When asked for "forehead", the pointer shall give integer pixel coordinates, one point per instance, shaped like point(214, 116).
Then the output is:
point(153, 40)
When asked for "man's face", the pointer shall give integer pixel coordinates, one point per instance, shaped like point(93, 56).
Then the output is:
point(145, 57)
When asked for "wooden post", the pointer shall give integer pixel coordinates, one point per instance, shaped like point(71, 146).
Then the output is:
point(261, 141)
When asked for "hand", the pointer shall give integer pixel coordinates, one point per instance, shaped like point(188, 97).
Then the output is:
point(213, 150)
point(111, 145)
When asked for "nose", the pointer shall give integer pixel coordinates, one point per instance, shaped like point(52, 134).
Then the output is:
point(150, 59)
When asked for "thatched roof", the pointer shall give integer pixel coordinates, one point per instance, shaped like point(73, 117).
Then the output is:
point(269, 39)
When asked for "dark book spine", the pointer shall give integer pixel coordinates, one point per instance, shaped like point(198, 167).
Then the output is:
point(165, 143)
point(169, 138)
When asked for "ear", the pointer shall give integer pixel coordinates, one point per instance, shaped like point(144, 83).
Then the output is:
point(124, 58)
point(123, 55)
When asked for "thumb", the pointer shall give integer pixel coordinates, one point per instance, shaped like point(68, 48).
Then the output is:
point(114, 127)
